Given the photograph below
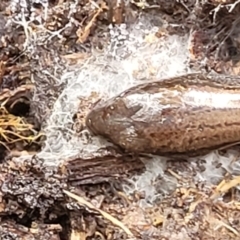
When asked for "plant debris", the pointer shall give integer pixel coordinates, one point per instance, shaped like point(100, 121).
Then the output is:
point(39, 40)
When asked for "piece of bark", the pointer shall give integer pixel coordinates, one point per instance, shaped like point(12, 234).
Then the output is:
point(101, 169)
point(12, 230)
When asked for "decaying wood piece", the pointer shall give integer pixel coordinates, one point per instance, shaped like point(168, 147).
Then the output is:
point(116, 11)
point(11, 230)
point(101, 169)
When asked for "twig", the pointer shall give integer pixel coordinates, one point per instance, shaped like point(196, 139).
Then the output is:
point(104, 214)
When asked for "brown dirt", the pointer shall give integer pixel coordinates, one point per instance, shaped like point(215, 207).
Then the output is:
point(34, 50)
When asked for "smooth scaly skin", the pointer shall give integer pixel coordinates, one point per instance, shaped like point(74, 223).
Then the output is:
point(187, 115)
